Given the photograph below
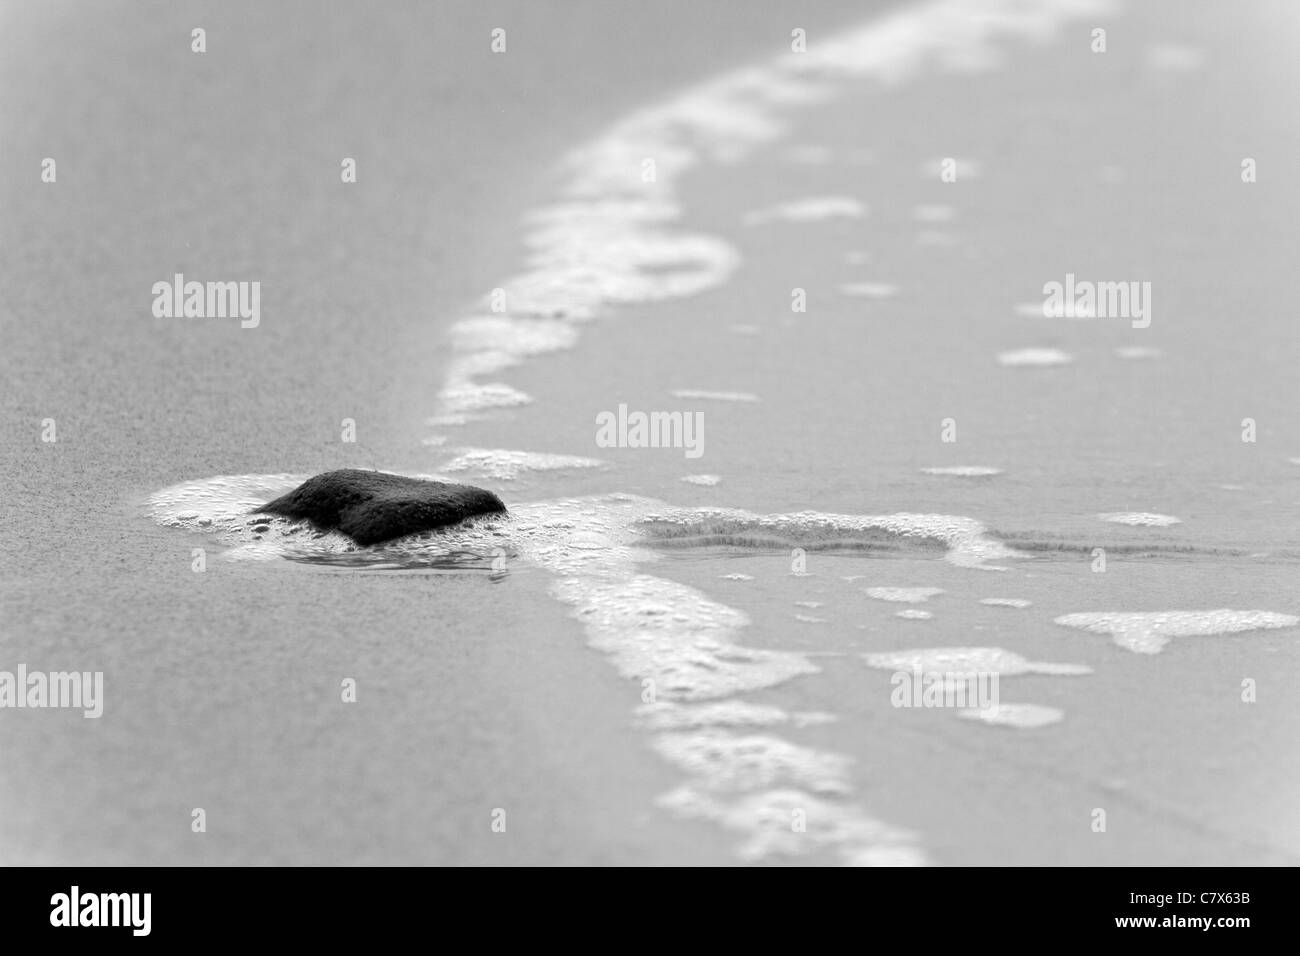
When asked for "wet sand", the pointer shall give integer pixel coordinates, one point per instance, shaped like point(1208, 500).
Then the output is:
point(223, 686)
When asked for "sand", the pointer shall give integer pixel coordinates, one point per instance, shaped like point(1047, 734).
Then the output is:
point(479, 692)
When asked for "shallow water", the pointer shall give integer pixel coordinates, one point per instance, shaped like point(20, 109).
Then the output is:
point(749, 617)
point(617, 242)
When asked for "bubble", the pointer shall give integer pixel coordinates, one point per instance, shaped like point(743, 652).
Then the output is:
point(1034, 358)
point(1020, 716)
point(707, 396)
point(812, 209)
point(981, 660)
point(727, 713)
point(1148, 632)
point(963, 471)
point(1140, 519)
point(904, 595)
point(507, 465)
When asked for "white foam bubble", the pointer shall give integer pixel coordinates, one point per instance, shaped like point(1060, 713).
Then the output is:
point(964, 660)
point(904, 595)
point(1140, 519)
point(763, 820)
point(507, 465)
point(1019, 716)
point(664, 715)
point(754, 784)
point(914, 614)
point(1006, 602)
point(707, 396)
point(220, 505)
point(706, 480)
point(812, 209)
point(1148, 632)
point(1034, 357)
point(470, 397)
point(661, 630)
point(733, 762)
point(737, 577)
point(586, 254)
point(963, 471)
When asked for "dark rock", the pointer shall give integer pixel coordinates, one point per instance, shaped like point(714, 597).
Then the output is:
point(371, 506)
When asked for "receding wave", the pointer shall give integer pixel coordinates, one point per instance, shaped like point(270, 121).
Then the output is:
point(606, 241)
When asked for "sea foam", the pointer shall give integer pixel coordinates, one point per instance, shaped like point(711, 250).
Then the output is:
point(662, 634)
point(1148, 633)
point(611, 238)
point(614, 235)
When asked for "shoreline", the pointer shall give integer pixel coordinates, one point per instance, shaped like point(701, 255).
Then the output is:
point(485, 695)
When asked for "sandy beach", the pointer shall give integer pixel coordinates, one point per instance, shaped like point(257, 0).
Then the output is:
point(659, 658)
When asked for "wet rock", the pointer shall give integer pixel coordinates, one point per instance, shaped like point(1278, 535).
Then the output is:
point(373, 506)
